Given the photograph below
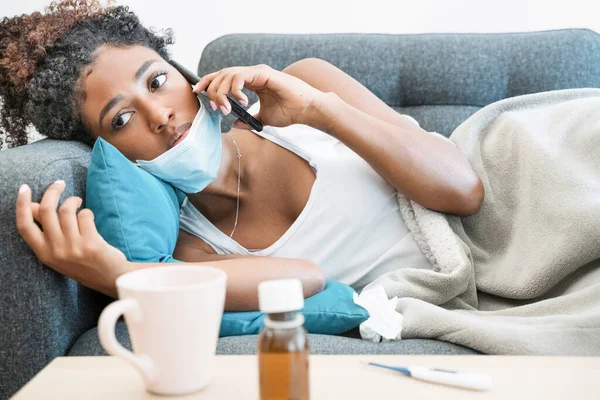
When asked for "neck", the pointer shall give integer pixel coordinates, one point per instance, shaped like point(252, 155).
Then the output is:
point(218, 200)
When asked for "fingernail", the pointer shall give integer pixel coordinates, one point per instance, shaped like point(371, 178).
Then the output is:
point(213, 105)
point(23, 188)
point(244, 103)
point(59, 182)
point(224, 110)
point(79, 203)
point(195, 87)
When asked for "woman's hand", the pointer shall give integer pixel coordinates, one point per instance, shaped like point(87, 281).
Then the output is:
point(284, 99)
point(68, 241)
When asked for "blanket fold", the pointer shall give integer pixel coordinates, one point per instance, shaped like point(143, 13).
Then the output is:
point(522, 275)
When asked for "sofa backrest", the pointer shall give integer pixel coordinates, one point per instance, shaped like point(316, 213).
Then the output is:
point(439, 79)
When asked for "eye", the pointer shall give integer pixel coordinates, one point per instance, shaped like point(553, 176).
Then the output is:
point(157, 80)
point(121, 120)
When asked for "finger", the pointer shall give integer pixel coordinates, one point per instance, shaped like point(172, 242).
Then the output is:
point(211, 90)
point(205, 81)
point(237, 84)
point(35, 211)
point(30, 232)
point(222, 92)
point(67, 215)
point(87, 227)
point(253, 78)
point(48, 215)
point(257, 76)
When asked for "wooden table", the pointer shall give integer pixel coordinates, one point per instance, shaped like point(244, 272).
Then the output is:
point(333, 377)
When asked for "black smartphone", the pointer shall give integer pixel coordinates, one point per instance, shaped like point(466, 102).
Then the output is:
point(236, 109)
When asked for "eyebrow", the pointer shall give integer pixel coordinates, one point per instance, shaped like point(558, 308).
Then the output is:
point(138, 74)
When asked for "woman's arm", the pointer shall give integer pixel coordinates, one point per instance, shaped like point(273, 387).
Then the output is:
point(427, 168)
point(69, 243)
point(244, 273)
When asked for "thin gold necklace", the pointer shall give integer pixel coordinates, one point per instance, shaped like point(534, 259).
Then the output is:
point(237, 209)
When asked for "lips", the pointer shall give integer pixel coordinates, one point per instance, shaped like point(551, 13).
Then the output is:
point(180, 134)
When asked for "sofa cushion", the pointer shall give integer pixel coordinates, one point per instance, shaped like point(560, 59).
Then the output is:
point(349, 343)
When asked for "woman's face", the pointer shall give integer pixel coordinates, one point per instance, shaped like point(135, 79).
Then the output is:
point(136, 101)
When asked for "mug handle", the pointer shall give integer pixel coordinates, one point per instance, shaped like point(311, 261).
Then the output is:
point(108, 340)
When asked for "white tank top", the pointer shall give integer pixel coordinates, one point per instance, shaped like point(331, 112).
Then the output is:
point(351, 225)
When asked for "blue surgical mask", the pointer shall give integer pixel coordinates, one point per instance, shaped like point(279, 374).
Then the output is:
point(194, 163)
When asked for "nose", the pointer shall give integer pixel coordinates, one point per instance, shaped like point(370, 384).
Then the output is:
point(159, 117)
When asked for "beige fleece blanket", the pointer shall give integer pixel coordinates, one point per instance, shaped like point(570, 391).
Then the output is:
point(522, 276)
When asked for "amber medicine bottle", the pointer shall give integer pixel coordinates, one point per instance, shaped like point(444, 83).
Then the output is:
point(282, 345)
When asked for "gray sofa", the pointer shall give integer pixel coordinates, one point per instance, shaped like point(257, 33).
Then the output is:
point(440, 79)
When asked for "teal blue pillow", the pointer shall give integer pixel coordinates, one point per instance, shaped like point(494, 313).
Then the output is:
point(329, 312)
point(139, 214)
point(133, 210)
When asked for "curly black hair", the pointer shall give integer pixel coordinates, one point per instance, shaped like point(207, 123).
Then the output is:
point(43, 57)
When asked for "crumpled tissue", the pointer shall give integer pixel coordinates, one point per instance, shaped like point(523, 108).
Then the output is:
point(384, 323)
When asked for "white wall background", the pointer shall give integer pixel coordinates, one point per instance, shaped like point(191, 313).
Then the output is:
point(196, 23)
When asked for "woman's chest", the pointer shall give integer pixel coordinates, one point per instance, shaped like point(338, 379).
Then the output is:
point(290, 202)
point(300, 195)
point(280, 189)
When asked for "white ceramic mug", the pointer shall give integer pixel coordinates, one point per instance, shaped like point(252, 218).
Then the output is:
point(173, 315)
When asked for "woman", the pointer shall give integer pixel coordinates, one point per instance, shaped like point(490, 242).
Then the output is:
point(58, 72)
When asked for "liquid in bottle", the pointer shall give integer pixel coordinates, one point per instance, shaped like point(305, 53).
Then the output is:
point(282, 345)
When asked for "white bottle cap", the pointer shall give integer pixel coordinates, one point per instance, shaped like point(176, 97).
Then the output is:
point(281, 295)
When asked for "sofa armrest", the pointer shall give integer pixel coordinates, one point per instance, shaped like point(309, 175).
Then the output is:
point(42, 313)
